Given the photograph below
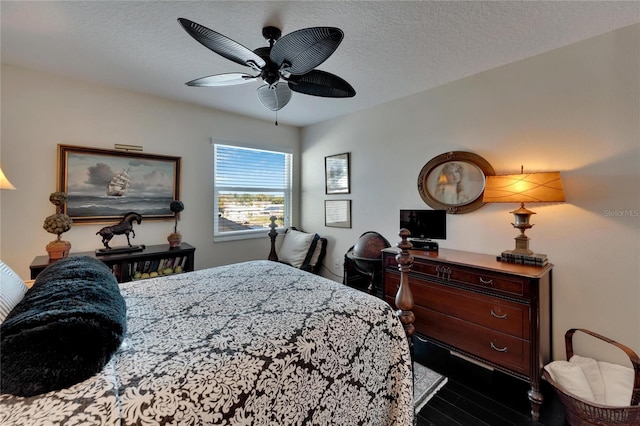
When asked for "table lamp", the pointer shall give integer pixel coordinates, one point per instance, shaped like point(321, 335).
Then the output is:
point(4, 182)
point(523, 188)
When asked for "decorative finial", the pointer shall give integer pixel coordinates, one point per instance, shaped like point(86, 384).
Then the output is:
point(404, 297)
point(272, 235)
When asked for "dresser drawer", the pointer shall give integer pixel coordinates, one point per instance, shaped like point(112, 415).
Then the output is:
point(495, 347)
point(500, 315)
point(500, 284)
point(503, 284)
point(491, 312)
point(391, 284)
point(427, 269)
point(419, 266)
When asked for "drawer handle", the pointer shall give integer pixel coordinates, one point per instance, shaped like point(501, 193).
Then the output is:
point(489, 281)
point(420, 339)
point(445, 271)
point(495, 348)
point(493, 314)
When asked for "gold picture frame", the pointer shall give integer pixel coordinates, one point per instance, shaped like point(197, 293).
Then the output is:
point(454, 181)
point(102, 185)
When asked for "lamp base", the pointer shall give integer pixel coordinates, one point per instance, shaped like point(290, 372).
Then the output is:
point(522, 245)
point(522, 217)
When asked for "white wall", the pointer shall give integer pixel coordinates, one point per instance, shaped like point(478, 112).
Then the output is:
point(40, 111)
point(575, 110)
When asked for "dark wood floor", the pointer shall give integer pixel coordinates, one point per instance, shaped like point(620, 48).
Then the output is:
point(475, 396)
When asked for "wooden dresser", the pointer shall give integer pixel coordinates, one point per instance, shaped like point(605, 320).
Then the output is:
point(494, 312)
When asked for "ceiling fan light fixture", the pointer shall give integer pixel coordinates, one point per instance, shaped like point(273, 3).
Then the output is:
point(275, 97)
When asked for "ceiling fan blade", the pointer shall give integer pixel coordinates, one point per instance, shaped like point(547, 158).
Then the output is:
point(217, 80)
point(274, 98)
point(222, 45)
point(321, 83)
point(305, 49)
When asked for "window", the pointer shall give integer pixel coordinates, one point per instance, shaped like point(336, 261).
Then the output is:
point(250, 186)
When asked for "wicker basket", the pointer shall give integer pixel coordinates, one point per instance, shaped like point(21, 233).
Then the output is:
point(581, 412)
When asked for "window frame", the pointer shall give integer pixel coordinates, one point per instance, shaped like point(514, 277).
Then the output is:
point(288, 191)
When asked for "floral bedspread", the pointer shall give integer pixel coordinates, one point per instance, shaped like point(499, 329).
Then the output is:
point(255, 343)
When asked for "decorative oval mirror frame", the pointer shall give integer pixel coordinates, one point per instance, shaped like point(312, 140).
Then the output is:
point(463, 196)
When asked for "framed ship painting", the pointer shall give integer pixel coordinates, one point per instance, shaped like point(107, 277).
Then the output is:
point(103, 185)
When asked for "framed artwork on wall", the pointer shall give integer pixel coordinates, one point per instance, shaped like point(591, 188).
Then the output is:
point(454, 181)
point(103, 185)
point(337, 177)
point(337, 213)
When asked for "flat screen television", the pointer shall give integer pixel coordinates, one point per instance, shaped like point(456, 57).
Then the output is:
point(425, 224)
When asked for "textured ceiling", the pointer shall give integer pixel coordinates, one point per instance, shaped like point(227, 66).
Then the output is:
point(391, 49)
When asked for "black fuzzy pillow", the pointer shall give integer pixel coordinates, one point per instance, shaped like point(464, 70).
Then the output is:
point(65, 329)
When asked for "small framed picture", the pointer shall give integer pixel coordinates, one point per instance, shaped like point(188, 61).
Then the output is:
point(337, 213)
point(337, 178)
point(454, 181)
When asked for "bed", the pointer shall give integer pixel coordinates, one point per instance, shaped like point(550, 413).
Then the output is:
point(255, 343)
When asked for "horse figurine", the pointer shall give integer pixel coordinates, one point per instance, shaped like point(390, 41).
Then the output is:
point(125, 226)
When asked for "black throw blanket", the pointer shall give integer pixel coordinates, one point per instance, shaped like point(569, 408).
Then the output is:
point(65, 330)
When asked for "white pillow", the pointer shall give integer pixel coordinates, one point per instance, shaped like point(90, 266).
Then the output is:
point(570, 379)
point(12, 290)
point(295, 247)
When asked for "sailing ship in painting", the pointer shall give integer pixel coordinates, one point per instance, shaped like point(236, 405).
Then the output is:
point(100, 187)
point(119, 184)
point(121, 192)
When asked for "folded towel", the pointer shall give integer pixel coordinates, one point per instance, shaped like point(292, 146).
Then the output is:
point(618, 383)
point(591, 371)
point(595, 381)
point(571, 379)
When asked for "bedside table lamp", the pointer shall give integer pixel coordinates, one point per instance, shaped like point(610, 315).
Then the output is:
point(523, 188)
point(4, 182)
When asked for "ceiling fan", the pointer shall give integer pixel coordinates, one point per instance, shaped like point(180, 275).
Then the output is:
point(286, 65)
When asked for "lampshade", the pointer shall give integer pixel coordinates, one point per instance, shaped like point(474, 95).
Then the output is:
point(4, 182)
point(524, 188)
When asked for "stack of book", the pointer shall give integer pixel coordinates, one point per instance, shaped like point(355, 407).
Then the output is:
point(534, 259)
point(153, 268)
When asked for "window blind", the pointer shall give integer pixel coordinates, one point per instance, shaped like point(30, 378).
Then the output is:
point(250, 186)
